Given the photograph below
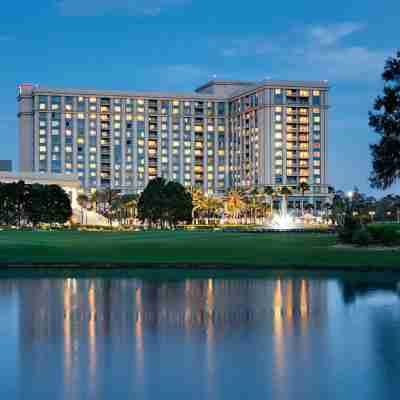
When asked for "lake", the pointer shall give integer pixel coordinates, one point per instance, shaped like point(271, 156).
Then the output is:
point(153, 335)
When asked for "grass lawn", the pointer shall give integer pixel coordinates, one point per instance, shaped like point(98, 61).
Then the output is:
point(138, 248)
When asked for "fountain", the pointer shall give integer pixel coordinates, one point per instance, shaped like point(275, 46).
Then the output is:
point(284, 221)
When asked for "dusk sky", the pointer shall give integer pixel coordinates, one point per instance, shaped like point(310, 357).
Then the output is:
point(180, 44)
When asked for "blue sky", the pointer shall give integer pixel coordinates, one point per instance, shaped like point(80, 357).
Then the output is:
point(180, 44)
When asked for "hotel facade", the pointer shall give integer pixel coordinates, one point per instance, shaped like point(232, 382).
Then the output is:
point(226, 134)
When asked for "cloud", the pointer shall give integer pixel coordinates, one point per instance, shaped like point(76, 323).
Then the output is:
point(247, 47)
point(315, 52)
point(116, 7)
point(331, 34)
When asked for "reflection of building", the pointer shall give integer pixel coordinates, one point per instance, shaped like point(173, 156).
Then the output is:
point(107, 307)
point(69, 183)
point(225, 134)
point(80, 324)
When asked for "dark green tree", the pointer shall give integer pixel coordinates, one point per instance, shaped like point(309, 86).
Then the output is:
point(385, 120)
point(7, 204)
point(179, 205)
point(151, 203)
point(60, 210)
point(165, 204)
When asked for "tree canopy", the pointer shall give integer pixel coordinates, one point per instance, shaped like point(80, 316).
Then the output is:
point(22, 204)
point(385, 119)
point(165, 204)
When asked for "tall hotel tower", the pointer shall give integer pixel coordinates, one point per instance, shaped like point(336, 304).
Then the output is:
point(225, 134)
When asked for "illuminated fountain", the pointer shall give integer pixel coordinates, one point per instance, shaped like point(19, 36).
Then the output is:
point(283, 221)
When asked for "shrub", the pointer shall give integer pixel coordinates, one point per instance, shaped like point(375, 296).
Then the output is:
point(387, 235)
point(347, 230)
point(361, 237)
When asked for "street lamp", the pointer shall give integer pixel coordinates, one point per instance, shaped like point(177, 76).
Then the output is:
point(372, 215)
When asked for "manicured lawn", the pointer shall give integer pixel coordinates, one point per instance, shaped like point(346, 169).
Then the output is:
point(270, 250)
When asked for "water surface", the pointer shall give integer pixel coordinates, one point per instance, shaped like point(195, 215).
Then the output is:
point(199, 336)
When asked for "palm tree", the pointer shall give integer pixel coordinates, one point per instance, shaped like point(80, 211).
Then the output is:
point(83, 201)
point(303, 187)
point(104, 200)
point(234, 204)
point(129, 203)
point(285, 192)
point(254, 204)
point(269, 191)
point(198, 201)
point(211, 205)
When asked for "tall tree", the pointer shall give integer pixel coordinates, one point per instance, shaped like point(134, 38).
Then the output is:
point(269, 191)
point(178, 205)
point(385, 119)
point(303, 187)
point(151, 202)
point(165, 204)
point(104, 200)
point(83, 201)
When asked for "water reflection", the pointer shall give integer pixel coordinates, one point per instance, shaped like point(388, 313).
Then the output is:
point(191, 335)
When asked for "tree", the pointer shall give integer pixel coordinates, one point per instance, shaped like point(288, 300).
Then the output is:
point(33, 204)
point(104, 200)
point(234, 204)
point(165, 204)
point(285, 192)
point(178, 204)
point(385, 120)
point(151, 202)
point(199, 203)
point(269, 191)
point(303, 187)
point(59, 209)
point(253, 204)
point(7, 204)
point(83, 201)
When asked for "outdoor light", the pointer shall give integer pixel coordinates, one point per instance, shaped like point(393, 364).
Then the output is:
point(350, 195)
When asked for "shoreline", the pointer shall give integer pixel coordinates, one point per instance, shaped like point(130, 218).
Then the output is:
point(4, 266)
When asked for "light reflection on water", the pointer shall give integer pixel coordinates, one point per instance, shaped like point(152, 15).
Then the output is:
point(275, 337)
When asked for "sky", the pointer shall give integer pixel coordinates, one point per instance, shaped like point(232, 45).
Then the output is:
point(181, 44)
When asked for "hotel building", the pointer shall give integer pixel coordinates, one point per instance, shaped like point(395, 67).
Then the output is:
point(225, 134)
